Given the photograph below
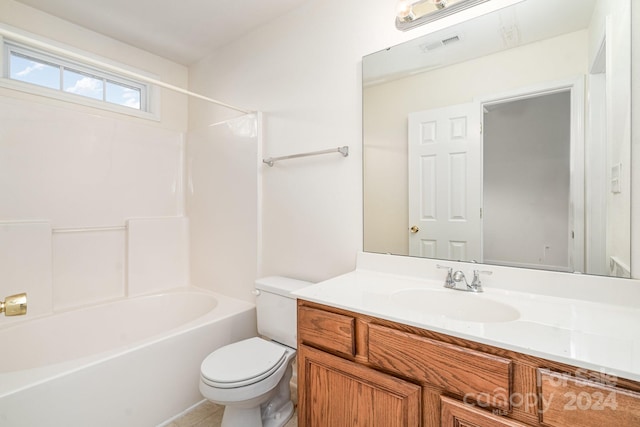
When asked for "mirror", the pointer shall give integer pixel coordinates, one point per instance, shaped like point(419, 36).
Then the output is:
point(505, 140)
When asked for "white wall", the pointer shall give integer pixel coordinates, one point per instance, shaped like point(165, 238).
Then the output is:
point(612, 18)
point(635, 143)
point(65, 166)
point(303, 71)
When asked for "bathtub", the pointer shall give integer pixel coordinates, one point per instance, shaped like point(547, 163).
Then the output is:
point(132, 362)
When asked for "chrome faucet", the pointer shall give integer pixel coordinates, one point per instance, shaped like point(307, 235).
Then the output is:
point(476, 285)
point(448, 282)
point(453, 278)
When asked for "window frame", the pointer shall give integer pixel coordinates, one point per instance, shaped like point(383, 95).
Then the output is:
point(149, 94)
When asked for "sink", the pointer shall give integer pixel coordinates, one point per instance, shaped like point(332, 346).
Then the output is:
point(456, 305)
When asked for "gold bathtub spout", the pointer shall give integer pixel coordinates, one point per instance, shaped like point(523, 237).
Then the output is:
point(14, 305)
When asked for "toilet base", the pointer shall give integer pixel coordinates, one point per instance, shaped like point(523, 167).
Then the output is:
point(234, 416)
point(279, 409)
point(281, 417)
point(275, 412)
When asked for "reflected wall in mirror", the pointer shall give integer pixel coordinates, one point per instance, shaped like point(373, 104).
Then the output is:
point(505, 140)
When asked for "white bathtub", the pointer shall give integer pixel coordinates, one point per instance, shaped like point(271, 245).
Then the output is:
point(133, 362)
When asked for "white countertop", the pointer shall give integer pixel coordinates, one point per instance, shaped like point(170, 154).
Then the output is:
point(600, 336)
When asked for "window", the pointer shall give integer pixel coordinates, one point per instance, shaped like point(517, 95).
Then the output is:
point(72, 80)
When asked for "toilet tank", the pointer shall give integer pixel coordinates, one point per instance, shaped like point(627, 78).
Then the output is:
point(276, 308)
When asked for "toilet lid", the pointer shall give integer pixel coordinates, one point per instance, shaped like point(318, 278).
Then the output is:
point(242, 363)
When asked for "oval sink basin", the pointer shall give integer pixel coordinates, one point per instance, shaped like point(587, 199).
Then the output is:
point(456, 305)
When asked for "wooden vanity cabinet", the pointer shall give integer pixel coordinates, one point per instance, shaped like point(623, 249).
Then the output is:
point(341, 393)
point(360, 370)
point(458, 414)
point(586, 402)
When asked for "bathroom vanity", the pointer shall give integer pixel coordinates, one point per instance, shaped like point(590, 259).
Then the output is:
point(369, 355)
point(455, 168)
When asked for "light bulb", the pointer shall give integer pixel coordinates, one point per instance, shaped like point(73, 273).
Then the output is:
point(440, 4)
point(404, 10)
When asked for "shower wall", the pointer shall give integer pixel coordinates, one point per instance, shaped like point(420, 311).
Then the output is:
point(223, 202)
point(91, 201)
point(91, 207)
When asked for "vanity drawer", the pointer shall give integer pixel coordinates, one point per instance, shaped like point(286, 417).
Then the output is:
point(470, 374)
point(329, 331)
point(456, 414)
point(567, 401)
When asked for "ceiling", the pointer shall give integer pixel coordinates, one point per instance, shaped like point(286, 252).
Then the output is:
point(183, 31)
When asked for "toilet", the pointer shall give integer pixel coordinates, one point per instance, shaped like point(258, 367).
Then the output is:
point(251, 377)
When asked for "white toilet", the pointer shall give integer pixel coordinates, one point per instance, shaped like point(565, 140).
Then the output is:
point(251, 377)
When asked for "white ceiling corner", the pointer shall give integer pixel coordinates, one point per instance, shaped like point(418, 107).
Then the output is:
point(183, 31)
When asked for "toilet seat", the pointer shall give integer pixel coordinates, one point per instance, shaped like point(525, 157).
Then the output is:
point(242, 363)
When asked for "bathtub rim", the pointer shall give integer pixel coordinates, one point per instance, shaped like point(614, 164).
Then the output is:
point(16, 381)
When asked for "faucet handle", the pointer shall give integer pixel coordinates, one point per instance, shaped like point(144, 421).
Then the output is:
point(477, 273)
point(448, 283)
point(476, 284)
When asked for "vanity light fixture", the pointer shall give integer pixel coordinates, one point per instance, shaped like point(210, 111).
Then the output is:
point(412, 13)
point(404, 10)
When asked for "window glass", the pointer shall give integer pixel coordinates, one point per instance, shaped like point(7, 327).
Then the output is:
point(123, 95)
point(45, 69)
point(34, 71)
point(83, 84)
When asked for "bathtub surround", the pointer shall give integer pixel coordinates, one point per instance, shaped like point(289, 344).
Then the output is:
point(85, 175)
point(88, 267)
point(154, 243)
point(223, 198)
point(63, 268)
point(84, 172)
point(79, 169)
point(25, 264)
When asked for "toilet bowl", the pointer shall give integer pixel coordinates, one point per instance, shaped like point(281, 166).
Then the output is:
point(251, 377)
point(244, 376)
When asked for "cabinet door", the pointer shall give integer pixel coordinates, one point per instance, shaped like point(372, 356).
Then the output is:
point(569, 401)
point(339, 393)
point(458, 414)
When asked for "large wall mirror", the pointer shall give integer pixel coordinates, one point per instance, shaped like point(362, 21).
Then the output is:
point(505, 140)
